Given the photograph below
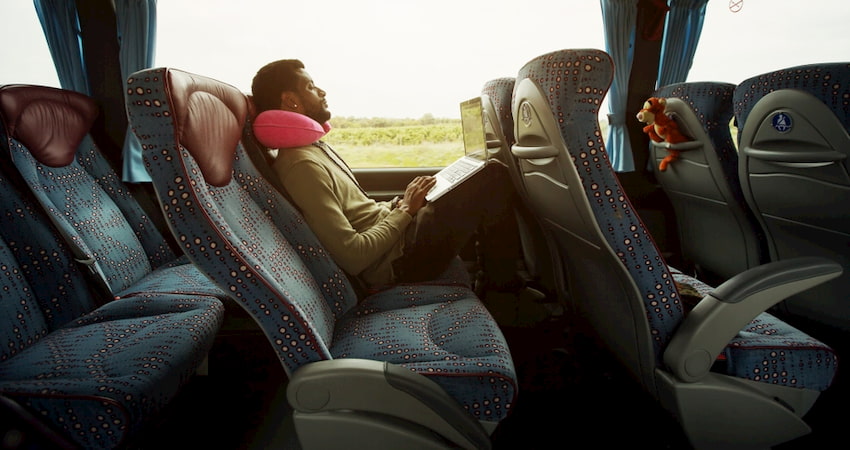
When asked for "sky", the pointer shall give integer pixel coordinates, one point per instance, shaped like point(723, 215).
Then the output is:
point(409, 58)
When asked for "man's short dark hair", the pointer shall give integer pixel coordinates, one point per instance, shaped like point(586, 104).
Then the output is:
point(272, 79)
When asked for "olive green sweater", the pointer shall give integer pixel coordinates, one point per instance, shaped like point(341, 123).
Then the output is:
point(362, 235)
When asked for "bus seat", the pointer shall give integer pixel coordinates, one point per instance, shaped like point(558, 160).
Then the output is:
point(794, 145)
point(719, 235)
point(715, 369)
point(538, 264)
point(50, 145)
point(89, 372)
point(412, 365)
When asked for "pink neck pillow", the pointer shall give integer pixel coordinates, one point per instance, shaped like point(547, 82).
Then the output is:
point(277, 128)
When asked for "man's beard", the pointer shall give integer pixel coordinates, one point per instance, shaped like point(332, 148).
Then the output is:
point(321, 115)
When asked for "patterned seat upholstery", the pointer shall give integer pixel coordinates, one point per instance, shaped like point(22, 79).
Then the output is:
point(94, 375)
point(438, 345)
point(726, 370)
point(46, 137)
point(794, 143)
point(719, 234)
point(537, 257)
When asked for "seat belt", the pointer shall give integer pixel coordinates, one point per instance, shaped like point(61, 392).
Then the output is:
point(97, 285)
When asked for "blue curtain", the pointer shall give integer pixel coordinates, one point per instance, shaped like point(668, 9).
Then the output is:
point(62, 31)
point(681, 36)
point(137, 36)
point(619, 18)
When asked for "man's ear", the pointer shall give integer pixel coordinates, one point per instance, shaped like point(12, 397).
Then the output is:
point(289, 101)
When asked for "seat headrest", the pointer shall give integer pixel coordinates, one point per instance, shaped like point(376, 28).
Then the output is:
point(209, 116)
point(50, 122)
point(500, 91)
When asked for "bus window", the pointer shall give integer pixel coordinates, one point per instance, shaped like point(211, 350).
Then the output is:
point(28, 59)
point(394, 72)
point(763, 36)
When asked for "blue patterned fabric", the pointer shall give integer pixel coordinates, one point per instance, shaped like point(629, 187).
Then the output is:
point(829, 82)
point(94, 374)
point(772, 351)
point(76, 185)
point(575, 83)
point(711, 102)
point(22, 320)
point(500, 90)
point(57, 284)
point(242, 232)
point(449, 336)
point(100, 378)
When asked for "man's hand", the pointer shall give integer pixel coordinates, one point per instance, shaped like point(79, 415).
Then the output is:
point(414, 195)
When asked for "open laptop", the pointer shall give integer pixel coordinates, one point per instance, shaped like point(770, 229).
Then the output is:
point(474, 146)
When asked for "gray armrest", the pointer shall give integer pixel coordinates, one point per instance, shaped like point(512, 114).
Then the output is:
point(540, 152)
point(720, 315)
point(681, 146)
point(386, 389)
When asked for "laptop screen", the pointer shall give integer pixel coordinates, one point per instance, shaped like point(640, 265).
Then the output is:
point(472, 122)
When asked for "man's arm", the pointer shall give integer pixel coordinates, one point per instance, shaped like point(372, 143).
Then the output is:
point(313, 190)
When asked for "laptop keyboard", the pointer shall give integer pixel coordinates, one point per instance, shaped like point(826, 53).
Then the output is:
point(458, 169)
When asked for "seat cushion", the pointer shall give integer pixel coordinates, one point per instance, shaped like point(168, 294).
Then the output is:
point(444, 333)
point(771, 351)
point(179, 276)
point(100, 377)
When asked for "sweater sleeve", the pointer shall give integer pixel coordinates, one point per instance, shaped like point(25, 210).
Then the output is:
point(315, 193)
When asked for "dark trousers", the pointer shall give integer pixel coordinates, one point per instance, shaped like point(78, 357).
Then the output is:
point(482, 206)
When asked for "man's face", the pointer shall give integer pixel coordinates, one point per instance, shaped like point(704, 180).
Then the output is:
point(312, 99)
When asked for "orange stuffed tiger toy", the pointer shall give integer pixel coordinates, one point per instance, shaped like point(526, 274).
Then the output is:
point(660, 127)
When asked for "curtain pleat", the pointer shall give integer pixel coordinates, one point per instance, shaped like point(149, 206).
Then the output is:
point(137, 37)
point(619, 18)
point(681, 36)
point(61, 28)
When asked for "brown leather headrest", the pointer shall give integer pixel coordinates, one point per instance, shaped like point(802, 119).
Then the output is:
point(209, 116)
point(50, 122)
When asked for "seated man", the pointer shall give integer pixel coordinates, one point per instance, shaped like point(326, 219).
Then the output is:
point(380, 243)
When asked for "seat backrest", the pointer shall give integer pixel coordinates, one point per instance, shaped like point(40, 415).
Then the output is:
point(618, 281)
point(795, 173)
point(48, 142)
point(719, 234)
point(497, 96)
point(20, 314)
point(233, 223)
point(46, 265)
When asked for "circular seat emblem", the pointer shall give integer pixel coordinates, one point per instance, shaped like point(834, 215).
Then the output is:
point(525, 113)
point(781, 122)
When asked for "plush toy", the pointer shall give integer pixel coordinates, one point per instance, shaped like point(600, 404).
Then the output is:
point(281, 129)
point(660, 127)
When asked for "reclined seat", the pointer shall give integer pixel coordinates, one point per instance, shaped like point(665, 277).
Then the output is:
point(45, 136)
point(95, 376)
point(412, 365)
point(794, 143)
point(715, 369)
point(719, 234)
point(537, 260)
